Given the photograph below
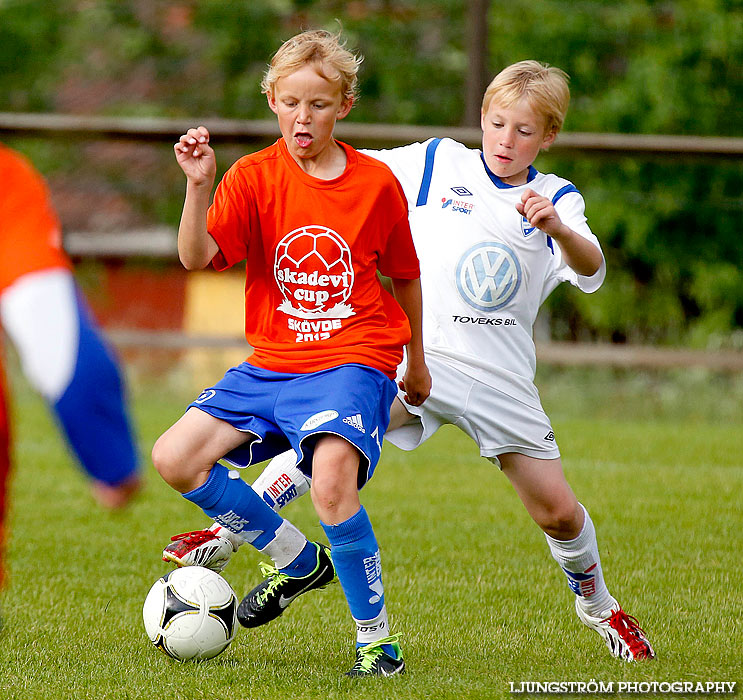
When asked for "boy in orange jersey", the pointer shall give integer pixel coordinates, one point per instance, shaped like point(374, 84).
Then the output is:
point(62, 351)
point(315, 221)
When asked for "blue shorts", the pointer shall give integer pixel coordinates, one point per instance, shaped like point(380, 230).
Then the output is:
point(285, 410)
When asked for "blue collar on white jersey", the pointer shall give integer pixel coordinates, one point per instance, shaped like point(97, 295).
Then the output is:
point(533, 172)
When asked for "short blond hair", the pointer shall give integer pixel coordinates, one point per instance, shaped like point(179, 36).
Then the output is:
point(315, 46)
point(544, 86)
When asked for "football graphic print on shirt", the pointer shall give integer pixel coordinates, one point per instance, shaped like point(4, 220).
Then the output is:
point(314, 272)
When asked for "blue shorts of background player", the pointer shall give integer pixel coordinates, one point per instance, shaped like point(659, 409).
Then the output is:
point(278, 411)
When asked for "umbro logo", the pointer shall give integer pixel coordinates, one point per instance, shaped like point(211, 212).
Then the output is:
point(461, 191)
point(549, 436)
point(355, 422)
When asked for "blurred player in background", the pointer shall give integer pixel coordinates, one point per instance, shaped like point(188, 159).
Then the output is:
point(315, 221)
point(4, 472)
point(494, 237)
point(62, 352)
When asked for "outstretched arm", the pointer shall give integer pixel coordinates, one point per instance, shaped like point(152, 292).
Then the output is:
point(417, 381)
point(196, 247)
point(579, 253)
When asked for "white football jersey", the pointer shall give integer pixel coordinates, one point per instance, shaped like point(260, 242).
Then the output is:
point(484, 270)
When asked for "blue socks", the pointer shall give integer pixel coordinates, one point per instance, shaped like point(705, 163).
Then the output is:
point(234, 505)
point(305, 562)
point(356, 559)
point(226, 498)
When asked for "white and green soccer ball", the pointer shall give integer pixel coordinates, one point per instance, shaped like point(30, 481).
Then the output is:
point(191, 613)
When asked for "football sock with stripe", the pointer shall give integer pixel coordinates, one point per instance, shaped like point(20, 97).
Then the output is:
point(358, 565)
point(579, 559)
point(234, 505)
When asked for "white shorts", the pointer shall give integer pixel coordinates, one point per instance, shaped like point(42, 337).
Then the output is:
point(497, 422)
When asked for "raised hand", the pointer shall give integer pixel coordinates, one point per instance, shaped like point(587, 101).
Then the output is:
point(540, 212)
point(196, 157)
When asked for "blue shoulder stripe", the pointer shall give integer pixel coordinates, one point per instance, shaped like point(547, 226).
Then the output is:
point(570, 187)
point(427, 172)
point(564, 190)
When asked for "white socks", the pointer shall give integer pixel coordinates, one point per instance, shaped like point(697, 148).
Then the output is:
point(283, 549)
point(281, 481)
point(368, 631)
point(579, 559)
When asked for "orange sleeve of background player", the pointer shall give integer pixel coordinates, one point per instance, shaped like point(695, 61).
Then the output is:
point(30, 234)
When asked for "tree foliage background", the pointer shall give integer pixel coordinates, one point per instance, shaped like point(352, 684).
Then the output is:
point(670, 228)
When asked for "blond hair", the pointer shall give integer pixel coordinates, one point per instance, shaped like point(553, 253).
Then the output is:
point(544, 86)
point(320, 47)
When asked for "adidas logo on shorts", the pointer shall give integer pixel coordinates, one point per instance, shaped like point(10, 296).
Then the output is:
point(355, 422)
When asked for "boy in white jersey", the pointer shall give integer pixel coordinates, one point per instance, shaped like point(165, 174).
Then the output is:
point(494, 238)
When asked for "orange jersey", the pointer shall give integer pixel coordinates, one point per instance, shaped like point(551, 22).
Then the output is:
point(313, 299)
point(30, 235)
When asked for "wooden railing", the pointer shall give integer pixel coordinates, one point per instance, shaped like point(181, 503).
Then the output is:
point(247, 131)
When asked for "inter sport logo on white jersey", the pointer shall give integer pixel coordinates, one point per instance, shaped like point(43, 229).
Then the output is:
point(488, 276)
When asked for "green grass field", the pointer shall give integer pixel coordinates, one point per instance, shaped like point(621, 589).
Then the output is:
point(469, 581)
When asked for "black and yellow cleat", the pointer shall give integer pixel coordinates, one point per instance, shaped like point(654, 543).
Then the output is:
point(373, 660)
point(271, 597)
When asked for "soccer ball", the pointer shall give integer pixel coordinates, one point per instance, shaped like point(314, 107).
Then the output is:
point(191, 613)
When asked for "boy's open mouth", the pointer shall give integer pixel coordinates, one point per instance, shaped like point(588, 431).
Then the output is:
point(303, 139)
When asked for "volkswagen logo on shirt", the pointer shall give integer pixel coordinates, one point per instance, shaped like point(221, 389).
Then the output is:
point(488, 276)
